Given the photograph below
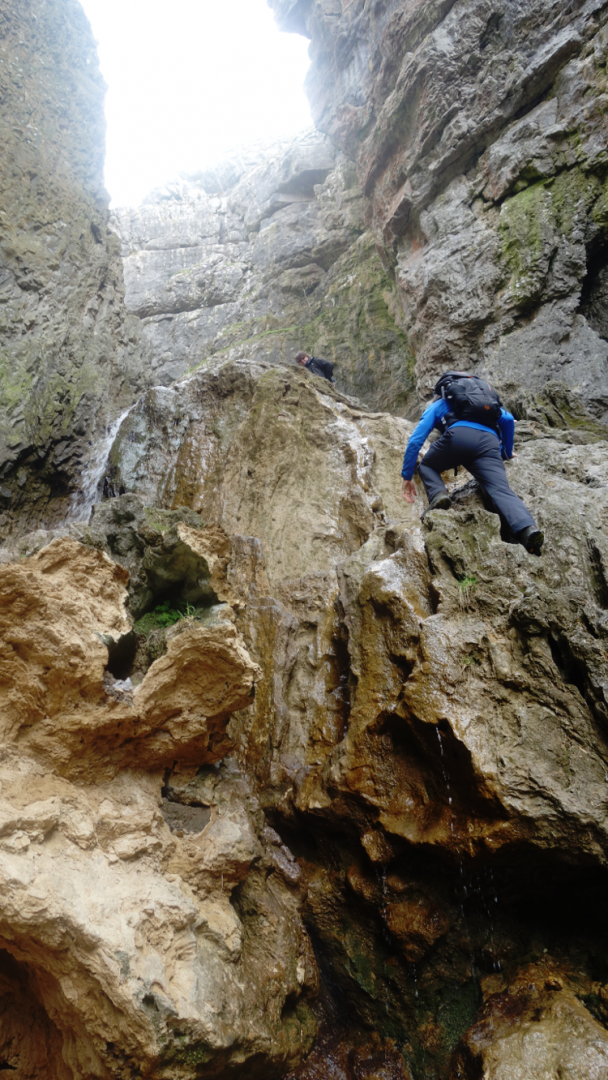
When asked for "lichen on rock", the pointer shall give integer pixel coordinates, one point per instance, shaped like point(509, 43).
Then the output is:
point(423, 757)
point(69, 358)
point(430, 695)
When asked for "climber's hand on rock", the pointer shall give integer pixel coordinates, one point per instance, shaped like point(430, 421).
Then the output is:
point(409, 490)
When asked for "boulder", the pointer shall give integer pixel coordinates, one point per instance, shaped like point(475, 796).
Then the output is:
point(124, 946)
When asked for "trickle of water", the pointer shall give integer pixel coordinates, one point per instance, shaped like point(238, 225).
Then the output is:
point(386, 936)
point(464, 886)
point(446, 779)
point(82, 501)
point(474, 886)
point(490, 903)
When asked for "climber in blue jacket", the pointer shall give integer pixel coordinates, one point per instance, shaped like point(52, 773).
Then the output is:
point(461, 405)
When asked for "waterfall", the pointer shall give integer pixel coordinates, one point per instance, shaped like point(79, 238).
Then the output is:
point(83, 500)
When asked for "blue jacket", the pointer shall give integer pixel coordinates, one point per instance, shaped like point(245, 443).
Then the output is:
point(430, 419)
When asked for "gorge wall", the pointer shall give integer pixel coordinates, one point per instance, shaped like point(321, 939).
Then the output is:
point(267, 254)
point(69, 362)
point(479, 132)
point(294, 782)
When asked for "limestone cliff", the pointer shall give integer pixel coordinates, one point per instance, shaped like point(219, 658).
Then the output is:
point(294, 782)
point(479, 132)
point(429, 731)
point(267, 254)
point(69, 364)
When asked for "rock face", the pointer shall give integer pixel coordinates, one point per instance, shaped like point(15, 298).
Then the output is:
point(124, 950)
point(555, 1035)
point(255, 693)
point(266, 255)
point(427, 736)
point(326, 468)
point(69, 364)
point(479, 133)
point(294, 782)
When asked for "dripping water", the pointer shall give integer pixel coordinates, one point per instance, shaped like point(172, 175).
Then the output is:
point(463, 888)
point(386, 936)
point(489, 901)
point(446, 781)
point(82, 501)
point(473, 886)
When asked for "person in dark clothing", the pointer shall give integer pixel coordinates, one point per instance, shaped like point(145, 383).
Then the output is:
point(316, 366)
point(480, 447)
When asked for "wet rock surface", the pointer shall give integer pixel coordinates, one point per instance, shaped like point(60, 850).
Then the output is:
point(427, 736)
point(536, 1026)
point(273, 697)
point(130, 889)
point(326, 466)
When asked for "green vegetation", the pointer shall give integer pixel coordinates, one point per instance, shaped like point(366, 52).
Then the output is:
point(15, 381)
point(527, 227)
point(163, 616)
point(536, 219)
point(358, 330)
point(593, 1003)
point(466, 587)
point(453, 1009)
point(192, 1053)
point(470, 660)
point(353, 323)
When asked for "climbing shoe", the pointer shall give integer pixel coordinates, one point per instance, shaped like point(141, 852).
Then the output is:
point(440, 502)
point(532, 539)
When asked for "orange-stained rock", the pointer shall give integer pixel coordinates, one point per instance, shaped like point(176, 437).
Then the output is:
point(426, 734)
point(120, 945)
point(54, 611)
point(348, 1055)
point(417, 923)
point(190, 692)
point(533, 1030)
point(213, 545)
point(58, 609)
point(364, 885)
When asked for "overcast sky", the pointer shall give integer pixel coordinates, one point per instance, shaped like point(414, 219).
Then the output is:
point(187, 81)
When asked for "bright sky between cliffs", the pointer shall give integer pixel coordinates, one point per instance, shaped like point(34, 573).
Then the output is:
point(189, 80)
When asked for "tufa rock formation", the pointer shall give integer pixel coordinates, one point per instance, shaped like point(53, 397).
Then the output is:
point(123, 952)
point(415, 794)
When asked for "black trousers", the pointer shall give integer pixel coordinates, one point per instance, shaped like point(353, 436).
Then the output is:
point(480, 454)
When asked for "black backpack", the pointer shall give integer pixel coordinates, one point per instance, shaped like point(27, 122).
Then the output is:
point(469, 398)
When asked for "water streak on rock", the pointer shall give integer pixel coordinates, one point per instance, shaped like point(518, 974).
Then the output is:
point(82, 502)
